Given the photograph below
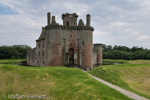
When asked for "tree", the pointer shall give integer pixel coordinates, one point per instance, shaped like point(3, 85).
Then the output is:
point(123, 52)
point(15, 51)
point(148, 56)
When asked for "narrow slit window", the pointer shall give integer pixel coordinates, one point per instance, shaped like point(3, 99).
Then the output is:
point(83, 42)
point(67, 23)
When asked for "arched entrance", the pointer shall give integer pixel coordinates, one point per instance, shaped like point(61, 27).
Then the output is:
point(71, 57)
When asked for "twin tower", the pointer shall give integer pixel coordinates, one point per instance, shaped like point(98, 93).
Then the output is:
point(70, 44)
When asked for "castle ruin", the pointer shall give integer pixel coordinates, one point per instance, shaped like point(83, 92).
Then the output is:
point(70, 44)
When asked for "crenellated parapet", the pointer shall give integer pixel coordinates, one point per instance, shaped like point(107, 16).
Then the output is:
point(56, 26)
point(69, 27)
point(85, 28)
point(69, 15)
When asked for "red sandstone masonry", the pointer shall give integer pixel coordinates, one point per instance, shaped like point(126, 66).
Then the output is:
point(56, 41)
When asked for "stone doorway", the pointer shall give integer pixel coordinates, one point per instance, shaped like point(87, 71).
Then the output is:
point(71, 57)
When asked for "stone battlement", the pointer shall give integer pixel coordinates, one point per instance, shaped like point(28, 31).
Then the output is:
point(69, 27)
point(69, 15)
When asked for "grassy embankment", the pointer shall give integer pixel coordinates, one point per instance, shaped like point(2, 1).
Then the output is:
point(11, 61)
point(111, 61)
point(57, 83)
point(133, 75)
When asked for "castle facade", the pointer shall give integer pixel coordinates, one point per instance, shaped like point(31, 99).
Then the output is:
point(70, 44)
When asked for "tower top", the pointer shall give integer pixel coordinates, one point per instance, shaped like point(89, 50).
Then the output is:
point(69, 19)
point(69, 15)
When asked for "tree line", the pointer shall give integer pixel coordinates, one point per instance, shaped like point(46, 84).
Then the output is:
point(123, 52)
point(13, 52)
point(109, 52)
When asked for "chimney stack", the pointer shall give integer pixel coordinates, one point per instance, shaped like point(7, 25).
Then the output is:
point(53, 20)
point(88, 20)
point(48, 18)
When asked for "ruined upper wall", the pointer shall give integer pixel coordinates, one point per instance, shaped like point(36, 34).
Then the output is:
point(69, 23)
point(69, 19)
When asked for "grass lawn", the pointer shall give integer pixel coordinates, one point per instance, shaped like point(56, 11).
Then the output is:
point(57, 83)
point(119, 61)
point(10, 61)
point(139, 61)
point(113, 61)
point(133, 77)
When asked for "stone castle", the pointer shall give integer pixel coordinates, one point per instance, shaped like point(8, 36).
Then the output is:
point(70, 44)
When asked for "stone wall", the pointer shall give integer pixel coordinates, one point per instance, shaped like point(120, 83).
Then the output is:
point(97, 55)
point(65, 45)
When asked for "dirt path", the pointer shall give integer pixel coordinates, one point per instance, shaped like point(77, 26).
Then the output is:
point(123, 91)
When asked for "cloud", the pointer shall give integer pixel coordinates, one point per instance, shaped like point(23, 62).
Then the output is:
point(119, 24)
point(141, 38)
point(125, 22)
point(100, 33)
point(131, 31)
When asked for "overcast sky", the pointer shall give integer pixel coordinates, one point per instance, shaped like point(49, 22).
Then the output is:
point(116, 22)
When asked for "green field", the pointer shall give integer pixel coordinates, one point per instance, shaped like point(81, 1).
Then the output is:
point(113, 61)
point(11, 61)
point(139, 61)
point(133, 76)
point(57, 83)
point(116, 61)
